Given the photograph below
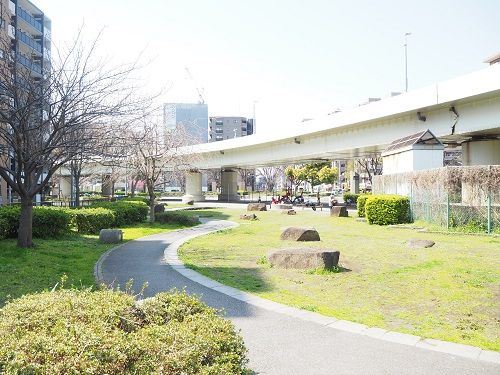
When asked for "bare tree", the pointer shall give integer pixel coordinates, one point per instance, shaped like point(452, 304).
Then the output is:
point(214, 175)
point(49, 117)
point(270, 176)
point(371, 165)
point(154, 151)
point(247, 176)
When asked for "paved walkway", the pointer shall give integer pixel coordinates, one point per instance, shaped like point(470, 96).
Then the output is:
point(283, 340)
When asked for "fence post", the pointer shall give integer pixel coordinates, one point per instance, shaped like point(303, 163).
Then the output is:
point(488, 214)
point(448, 210)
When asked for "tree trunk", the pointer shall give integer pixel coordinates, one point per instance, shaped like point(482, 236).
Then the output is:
point(25, 231)
point(151, 192)
point(77, 189)
point(133, 187)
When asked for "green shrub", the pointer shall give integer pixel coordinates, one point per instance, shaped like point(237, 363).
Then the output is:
point(353, 198)
point(176, 217)
point(126, 213)
point(136, 199)
point(361, 201)
point(387, 209)
point(48, 222)
point(10, 218)
point(4, 228)
point(105, 332)
point(92, 220)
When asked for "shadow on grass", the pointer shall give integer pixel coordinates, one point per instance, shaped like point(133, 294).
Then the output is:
point(246, 279)
point(203, 212)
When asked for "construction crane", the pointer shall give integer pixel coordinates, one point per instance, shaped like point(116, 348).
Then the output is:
point(199, 90)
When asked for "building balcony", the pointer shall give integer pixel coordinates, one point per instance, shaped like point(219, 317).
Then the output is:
point(26, 39)
point(33, 66)
point(29, 19)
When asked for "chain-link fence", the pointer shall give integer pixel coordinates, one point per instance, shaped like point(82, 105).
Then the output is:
point(463, 197)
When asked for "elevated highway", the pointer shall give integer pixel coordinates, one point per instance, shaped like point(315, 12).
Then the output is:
point(463, 111)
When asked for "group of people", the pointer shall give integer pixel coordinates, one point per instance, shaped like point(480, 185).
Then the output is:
point(299, 199)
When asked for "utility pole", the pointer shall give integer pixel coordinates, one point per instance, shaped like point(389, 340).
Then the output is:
point(406, 61)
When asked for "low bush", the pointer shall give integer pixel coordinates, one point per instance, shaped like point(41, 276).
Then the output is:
point(4, 228)
point(92, 220)
point(126, 213)
point(387, 209)
point(350, 198)
point(48, 222)
point(360, 204)
point(9, 215)
point(105, 332)
point(176, 217)
point(136, 199)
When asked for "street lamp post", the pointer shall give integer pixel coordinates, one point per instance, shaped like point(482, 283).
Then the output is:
point(406, 61)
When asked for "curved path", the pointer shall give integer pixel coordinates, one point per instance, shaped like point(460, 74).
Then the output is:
point(284, 340)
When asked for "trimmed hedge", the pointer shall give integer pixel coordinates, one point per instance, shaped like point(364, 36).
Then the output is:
point(105, 332)
point(48, 222)
point(387, 209)
point(350, 196)
point(360, 204)
point(92, 220)
point(136, 199)
point(126, 213)
point(176, 217)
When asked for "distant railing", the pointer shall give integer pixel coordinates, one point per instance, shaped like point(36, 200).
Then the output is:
point(29, 18)
point(26, 39)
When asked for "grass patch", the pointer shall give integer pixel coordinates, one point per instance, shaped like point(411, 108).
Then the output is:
point(449, 292)
point(25, 271)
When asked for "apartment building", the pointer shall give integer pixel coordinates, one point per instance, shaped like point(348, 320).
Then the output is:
point(25, 42)
point(221, 128)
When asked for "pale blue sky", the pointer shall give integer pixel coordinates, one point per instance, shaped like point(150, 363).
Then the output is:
point(295, 58)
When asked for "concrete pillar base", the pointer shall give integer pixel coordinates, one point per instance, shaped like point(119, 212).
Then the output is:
point(192, 198)
point(229, 189)
point(193, 188)
point(228, 198)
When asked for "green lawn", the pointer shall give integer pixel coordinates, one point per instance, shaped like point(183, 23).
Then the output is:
point(30, 270)
point(449, 292)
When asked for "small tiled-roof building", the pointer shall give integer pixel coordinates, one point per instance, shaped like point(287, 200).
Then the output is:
point(412, 153)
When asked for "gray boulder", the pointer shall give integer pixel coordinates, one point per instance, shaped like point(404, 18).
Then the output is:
point(110, 236)
point(289, 212)
point(304, 258)
point(419, 244)
point(283, 206)
point(300, 234)
point(248, 217)
point(338, 211)
point(256, 207)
